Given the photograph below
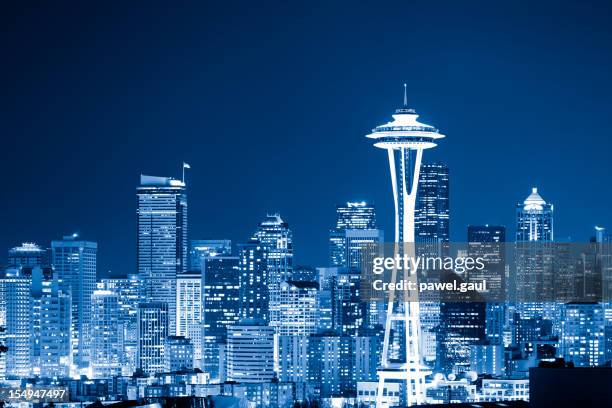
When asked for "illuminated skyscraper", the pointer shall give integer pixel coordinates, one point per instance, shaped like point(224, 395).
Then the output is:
point(404, 139)
point(162, 238)
point(221, 309)
point(106, 334)
point(277, 240)
point(188, 302)
point(431, 216)
point(27, 255)
point(254, 295)
point(250, 352)
point(74, 261)
point(534, 273)
point(152, 334)
point(349, 216)
point(15, 317)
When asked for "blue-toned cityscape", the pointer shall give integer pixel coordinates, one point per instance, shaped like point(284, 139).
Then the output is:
point(220, 323)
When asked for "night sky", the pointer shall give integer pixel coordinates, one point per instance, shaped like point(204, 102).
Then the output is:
point(270, 102)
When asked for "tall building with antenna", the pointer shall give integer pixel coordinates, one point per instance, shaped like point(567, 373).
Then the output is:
point(162, 239)
point(404, 139)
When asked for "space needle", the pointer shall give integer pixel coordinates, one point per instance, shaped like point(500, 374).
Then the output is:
point(404, 139)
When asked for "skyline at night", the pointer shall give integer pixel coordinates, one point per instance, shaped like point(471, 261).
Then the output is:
point(119, 100)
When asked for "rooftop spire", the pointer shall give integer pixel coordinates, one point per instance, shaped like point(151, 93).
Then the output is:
point(405, 97)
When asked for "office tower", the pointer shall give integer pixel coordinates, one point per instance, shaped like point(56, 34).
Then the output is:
point(178, 354)
point(152, 333)
point(293, 358)
point(534, 219)
point(106, 334)
point(254, 296)
point(488, 242)
point(74, 261)
point(431, 215)
point(487, 359)
point(15, 307)
point(327, 279)
point(349, 309)
point(40, 279)
point(250, 352)
point(533, 275)
point(203, 248)
point(188, 302)
point(55, 327)
point(404, 139)
point(582, 333)
point(361, 246)
point(367, 348)
point(331, 363)
point(130, 292)
point(353, 216)
point(162, 238)
point(221, 291)
point(27, 255)
point(277, 240)
point(462, 324)
point(298, 306)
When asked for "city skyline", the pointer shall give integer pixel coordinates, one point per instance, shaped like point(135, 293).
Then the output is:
point(515, 101)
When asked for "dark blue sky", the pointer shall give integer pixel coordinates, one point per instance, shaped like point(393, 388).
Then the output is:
point(269, 103)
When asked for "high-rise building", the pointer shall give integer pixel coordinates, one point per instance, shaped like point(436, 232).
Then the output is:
point(349, 216)
point(404, 139)
point(221, 303)
point(55, 326)
point(250, 352)
point(293, 358)
point(582, 333)
point(74, 262)
point(488, 242)
point(349, 309)
point(277, 240)
point(152, 334)
point(331, 363)
point(178, 354)
point(130, 293)
point(106, 334)
point(534, 219)
point(27, 255)
point(299, 308)
point(254, 295)
point(533, 278)
point(431, 215)
point(162, 238)
point(15, 317)
point(203, 248)
point(188, 302)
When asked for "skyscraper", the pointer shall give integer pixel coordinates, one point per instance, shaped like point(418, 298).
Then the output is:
point(254, 295)
point(188, 302)
point(277, 240)
point(533, 275)
point(221, 304)
point(349, 216)
point(27, 255)
point(534, 219)
point(431, 215)
point(250, 352)
point(15, 308)
point(74, 262)
point(162, 238)
point(152, 334)
point(106, 334)
point(582, 333)
point(404, 139)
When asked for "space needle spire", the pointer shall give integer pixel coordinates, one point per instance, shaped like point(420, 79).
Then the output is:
point(404, 139)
